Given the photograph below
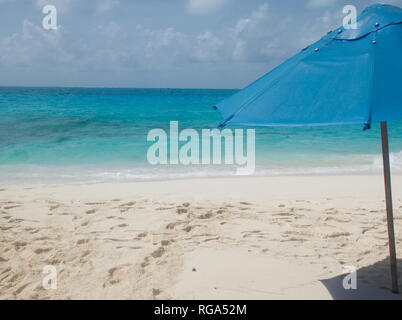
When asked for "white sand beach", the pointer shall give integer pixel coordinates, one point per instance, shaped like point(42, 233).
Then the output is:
point(232, 238)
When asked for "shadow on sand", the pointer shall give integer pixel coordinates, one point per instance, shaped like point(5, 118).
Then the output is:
point(373, 282)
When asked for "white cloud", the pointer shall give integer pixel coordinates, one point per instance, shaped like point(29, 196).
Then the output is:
point(313, 29)
point(105, 6)
point(320, 3)
point(234, 55)
point(161, 49)
point(208, 47)
point(168, 48)
point(201, 7)
point(111, 30)
point(62, 6)
point(260, 37)
point(36, 51)
point(162, 38)
point(392, 2)
point(246, 29)
point(70, 6)
point(33, 47)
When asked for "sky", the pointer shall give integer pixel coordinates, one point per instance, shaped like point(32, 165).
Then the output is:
point(159, 43)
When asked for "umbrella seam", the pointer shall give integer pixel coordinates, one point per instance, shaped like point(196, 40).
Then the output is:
point(368, 33)
point(368, 125)
point(316, 124)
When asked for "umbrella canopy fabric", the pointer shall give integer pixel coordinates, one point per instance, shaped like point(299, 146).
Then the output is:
point(350, 76)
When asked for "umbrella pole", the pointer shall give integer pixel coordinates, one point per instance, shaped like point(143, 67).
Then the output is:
point(388, 197)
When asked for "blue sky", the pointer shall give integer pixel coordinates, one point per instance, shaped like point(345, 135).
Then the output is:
point(158, 43)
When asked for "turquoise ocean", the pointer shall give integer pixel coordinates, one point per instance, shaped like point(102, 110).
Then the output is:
point(89, 135)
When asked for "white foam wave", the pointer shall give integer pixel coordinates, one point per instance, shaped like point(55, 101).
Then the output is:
point(370, 164)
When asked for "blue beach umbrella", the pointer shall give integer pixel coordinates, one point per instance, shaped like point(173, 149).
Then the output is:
point(350, 76)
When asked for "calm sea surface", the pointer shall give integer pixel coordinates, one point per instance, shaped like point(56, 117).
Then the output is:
point(97, 135)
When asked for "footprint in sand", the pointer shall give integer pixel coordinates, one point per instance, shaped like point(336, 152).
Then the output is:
point(283, 214)
point(331, 211)
point(250, 233)
point(92, 211)
point(123, 225)
point(42, 250)
point(337, 235)
point(12, 207)
point(156, 292)
point(129, 204)
point(165, 243)
point(145, 263)
point(54, 207)
point(205, 216)
point(31, 230)
point(292, 239)
point(164, 209)
point(116, 275)
point(158, 252)
point(211, 239)
point(173, 225)
point(86, 253)
point(181, 210)
point(20, 289)
point(337, 220)
point(6, 271)
point(126, 206)
point(20, 245)
point(15, 278)
point(54, 261)
point(82, 241)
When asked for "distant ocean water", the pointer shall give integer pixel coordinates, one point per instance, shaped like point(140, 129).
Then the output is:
point(64, 135)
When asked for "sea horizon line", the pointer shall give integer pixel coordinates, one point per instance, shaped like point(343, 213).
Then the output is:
point(129, 88)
